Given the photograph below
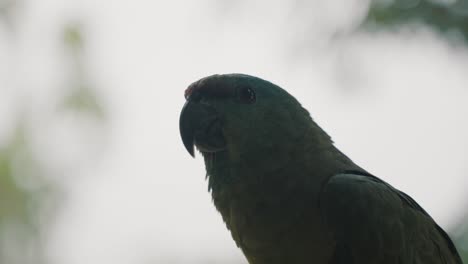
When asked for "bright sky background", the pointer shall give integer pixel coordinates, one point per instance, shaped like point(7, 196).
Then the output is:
point(395, 102)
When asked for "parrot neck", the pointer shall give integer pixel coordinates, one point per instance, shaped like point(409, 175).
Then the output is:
point(311, 156)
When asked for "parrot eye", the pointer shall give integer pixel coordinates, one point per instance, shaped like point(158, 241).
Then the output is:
point(246, 95)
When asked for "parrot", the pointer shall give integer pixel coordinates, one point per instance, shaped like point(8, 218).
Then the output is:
point(287, 194)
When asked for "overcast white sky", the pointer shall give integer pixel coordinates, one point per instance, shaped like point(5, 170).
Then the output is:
point(395, 102)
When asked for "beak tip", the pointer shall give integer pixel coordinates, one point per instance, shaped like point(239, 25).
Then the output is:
point(188, 144)
point(191, 152)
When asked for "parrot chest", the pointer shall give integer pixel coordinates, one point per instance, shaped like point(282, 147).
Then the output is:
point(277, 227)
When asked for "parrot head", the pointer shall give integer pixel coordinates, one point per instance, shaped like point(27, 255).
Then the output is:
point(242, 121)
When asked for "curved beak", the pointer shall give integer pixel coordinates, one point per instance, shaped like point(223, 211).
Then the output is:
point(187, 128)
point(194, 124)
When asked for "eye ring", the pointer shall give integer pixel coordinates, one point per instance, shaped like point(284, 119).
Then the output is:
point(246, 95)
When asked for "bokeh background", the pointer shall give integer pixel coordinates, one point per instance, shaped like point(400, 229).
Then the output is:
point(92, 169)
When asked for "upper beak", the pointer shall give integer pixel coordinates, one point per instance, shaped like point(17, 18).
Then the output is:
point(187, 128)
point(193, 119)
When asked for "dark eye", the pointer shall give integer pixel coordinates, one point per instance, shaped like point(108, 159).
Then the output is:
point(246, 95)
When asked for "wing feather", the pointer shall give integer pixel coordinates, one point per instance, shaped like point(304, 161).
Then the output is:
point(380, 224)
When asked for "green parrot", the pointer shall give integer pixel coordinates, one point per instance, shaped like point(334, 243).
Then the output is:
point(287, 194)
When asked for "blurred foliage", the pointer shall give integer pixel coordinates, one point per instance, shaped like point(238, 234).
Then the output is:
point(7, 9)
point(73, 37)
point(22, 190)
point(6, 6)
point(81, 96)
point(450, 17)
point(28, 194)
point(82, 99)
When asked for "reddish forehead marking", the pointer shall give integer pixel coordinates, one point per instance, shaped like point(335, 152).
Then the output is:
point(188, 92)
point(210, 87)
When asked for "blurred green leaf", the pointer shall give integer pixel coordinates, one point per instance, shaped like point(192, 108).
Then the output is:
point(73, 36)
point(82, 99)
point(13, 199)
